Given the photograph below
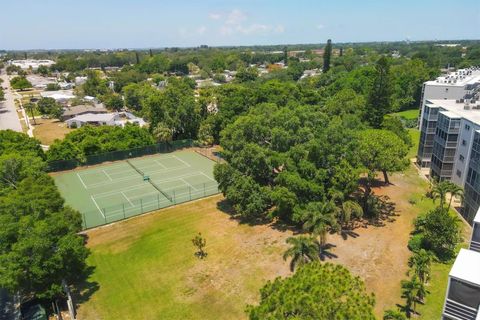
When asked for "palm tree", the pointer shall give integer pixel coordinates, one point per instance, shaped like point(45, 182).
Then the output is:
point(163, 133)
point(393, 315)
point(302, 251)
point(320, 217)
point(440, 190)
point(420, 263)
point(349, 209)
point(413, 291)
point(455, 191)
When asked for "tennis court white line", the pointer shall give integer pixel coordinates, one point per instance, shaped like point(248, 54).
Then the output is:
point(109, 193)
point(207, 176)
point(146, 204)
point(185, 163)
point(188, 184)
point(132, 177)
point(123, 194)
point(159, 163)
point(138, 186)
point(96, 205)
point(107, 175)
point(81, 181)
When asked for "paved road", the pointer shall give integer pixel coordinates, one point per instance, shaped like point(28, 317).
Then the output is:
point(8, 114)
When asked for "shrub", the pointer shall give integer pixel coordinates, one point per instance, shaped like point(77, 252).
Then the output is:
point(416, 242)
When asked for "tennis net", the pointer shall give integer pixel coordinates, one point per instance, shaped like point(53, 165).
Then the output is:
point(160, 190)
point(136, 169)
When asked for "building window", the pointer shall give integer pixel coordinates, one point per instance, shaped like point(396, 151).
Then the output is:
point(464, 143)
point(459, 173)
point(461, 157)
point(467, 127)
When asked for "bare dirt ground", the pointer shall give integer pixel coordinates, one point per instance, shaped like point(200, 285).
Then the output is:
point(379, 254)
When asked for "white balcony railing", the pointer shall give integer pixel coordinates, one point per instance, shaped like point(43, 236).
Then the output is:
point(459, 311)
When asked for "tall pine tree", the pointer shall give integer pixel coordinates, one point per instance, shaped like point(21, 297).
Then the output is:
point(379, 104)
point(327, 55)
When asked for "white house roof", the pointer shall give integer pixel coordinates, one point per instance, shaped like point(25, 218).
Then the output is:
point(93, 117)
point(467, 267)
point(58, 95)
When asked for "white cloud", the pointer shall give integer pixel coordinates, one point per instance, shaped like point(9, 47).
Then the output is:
point(235, 17)
point(201, 30)
point(215, 16)
point(237, 22)
point(320, 26)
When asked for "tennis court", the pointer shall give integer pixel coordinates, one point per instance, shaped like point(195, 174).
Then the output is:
point(123, 189)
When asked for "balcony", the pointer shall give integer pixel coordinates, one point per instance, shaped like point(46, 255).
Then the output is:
point(475, 246)
point(459, 311)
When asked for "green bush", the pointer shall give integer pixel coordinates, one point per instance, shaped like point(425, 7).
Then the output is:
point(416, 242)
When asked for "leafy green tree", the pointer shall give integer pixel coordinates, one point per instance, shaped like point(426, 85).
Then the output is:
point(16, 142)
point(327, 56)
point(94, 86)
point(381, 150)
point(302, 250)
point(15, 167)
point(20, 83)
point(440, 191)
point(395, 125)
point(378, 102)
point(315, 291)
point(249, 199)
point(441, 233)
point(113, 101)
point(175, 107)
point(246, 74)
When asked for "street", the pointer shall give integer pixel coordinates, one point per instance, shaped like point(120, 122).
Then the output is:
point(8, 114)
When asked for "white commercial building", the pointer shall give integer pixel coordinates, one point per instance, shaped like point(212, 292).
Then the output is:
point(30, 63)
point(462, 300)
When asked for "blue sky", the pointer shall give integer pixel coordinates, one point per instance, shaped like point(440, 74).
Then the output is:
point(54, 24)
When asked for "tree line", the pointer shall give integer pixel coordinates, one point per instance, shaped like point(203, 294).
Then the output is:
point(39, 245)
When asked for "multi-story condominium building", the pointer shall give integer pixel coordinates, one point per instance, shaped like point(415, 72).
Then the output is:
point(450, 133)
point(461, 85)
point(462, 301)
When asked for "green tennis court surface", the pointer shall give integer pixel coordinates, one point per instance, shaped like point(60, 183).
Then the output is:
point(116, 191)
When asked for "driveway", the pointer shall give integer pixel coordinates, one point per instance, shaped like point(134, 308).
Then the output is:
point(8, 114)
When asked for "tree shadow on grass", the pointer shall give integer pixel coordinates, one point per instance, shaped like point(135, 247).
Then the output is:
point(84, 290)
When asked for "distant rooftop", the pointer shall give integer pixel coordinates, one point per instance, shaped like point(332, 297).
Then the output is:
point(466, 267)
point(459, 78)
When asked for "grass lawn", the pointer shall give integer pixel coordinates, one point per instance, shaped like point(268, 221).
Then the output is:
point(415, 135)
point(145, 267)
point(47, 130)
point(408, 114)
